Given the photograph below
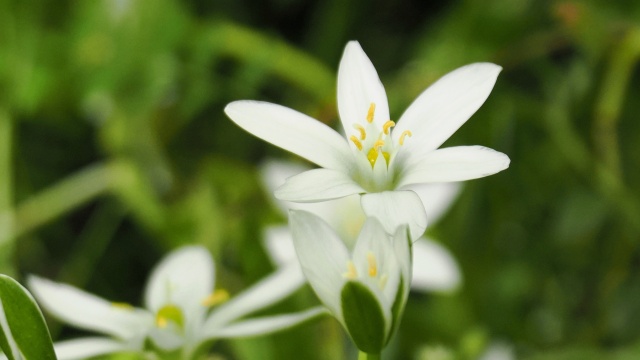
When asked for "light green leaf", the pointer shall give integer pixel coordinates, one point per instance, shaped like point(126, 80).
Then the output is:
point(23, 332)
point(363, 317)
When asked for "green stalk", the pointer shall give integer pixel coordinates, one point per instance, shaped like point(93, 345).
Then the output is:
point(366, 356)
point(62, 197)
point(6, 194)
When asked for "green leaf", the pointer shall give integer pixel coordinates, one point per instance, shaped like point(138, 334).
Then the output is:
point(22, 326)
point(363, 317)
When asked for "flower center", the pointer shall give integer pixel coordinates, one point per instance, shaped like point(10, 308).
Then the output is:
point(169, 313)
point(380, 144)
point(373, 272)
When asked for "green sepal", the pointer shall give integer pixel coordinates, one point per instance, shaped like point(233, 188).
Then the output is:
point(363, 317)
point(27, 328)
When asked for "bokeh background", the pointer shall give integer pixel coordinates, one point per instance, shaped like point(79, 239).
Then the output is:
point(114, 149)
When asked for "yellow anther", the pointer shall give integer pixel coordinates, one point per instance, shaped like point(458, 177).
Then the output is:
point(388, 125)
point(356, 142)
point(217, 297)
point(373, 267)
point(402, 136)
point(351, 273)
point(360, 128)
point(122, 306)
point(378, 144)
point(372, 109)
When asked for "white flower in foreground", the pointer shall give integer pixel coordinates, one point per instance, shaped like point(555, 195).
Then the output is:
point(379, 157)
point(434, 268)
point(365, 290)
point(177, 314)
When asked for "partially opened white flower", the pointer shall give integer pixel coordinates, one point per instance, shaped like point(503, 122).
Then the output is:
point(365, 289)
point(379, 157)
point(434, 268)
point(177, 314)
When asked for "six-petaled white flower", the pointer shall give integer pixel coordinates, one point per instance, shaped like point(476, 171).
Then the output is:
point(177, 316)
point(365, 289)
point(379, 157)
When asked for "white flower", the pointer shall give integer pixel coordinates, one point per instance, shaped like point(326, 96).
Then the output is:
point(379, 158)
point(178, 298)
point(365, 290)
point(434, 268)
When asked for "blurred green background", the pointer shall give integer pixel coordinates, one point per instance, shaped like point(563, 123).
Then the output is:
point(114, 149)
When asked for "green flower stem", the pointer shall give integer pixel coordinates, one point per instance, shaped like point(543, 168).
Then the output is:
point(6, 193)
point(609, 104)
point(366, 356)
point(62, 197)
point(286, 62)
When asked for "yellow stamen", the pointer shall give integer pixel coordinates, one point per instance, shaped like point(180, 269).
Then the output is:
point(402, 136)
point(373, 267)
point(122, 306)
point(388, 125)
point(356, 142)
point(360, 128)
point(351, 273)
point(372, 109)
point(217, 297)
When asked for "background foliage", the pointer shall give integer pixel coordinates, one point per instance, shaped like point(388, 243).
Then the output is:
point(114, 149)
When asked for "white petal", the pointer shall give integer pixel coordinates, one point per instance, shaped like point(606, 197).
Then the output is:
point(322, 255)
point(274, 173)
point(395, 208)
point(267, 324)
point(292, 131)
point(88, 311)
point(84, 348)
point(318, 185)
point(374, 240)
point(279, 244)
point(184, 277)
point(358, 87)
point(443, 107)
point(455, 164)
point(264, 293)
point(437, 198)
point(434, 269)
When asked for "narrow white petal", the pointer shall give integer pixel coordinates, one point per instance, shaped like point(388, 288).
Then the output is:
point(292, 131)
point(322, 255)
point(437, 198)
point(455, 164)
point(267, 324)
point(318, 185)
point(395, 208)
point(185, 277)
point(268, 291)
point(88, 311)
point(443, 107)
point(358, 87)
point(84, 348)
point(374, 250)
point(434, 268)
point(274, 173)
point(279, 245)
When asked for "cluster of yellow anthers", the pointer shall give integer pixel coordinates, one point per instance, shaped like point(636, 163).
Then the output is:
point(378, 144)
point(372, 270)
